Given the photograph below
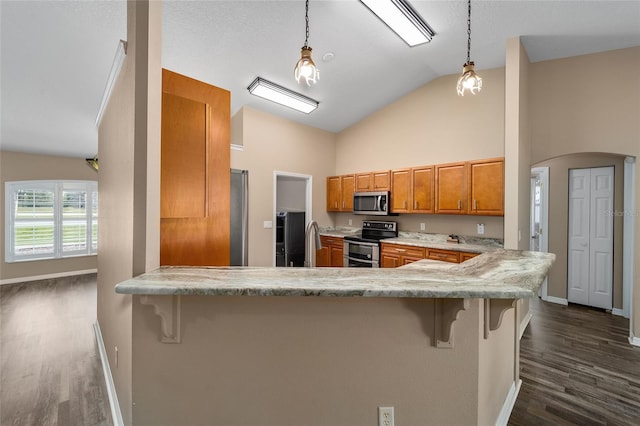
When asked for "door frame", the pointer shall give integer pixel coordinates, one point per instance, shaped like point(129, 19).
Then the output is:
point(308, 217)
point(542, 173)
point(628, 249)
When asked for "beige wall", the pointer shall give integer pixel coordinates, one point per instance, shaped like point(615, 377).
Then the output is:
point(517, 153)
point(299, 361)
point(129, 143)
point(16, 166)
point(429, 126)
point(589, 103)
point(559, 212)
point(274, 144)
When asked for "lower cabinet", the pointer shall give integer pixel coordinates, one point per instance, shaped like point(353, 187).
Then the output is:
point(394, 255)
point(331, 253)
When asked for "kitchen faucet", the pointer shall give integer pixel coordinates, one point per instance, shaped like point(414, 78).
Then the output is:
point(308, 254)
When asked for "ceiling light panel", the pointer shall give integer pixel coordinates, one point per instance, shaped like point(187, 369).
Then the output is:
point(400, 17)
point(281, 95)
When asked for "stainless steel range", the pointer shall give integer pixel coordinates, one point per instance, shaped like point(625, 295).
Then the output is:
point(364, 251)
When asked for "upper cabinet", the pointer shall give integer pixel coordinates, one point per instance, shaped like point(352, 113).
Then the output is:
point(412, 190)
point(486, 187)
point(469, 187)
point(451, 188)
point(373, 181)
point(340, 193)
point(422, 182)
point(401, 191)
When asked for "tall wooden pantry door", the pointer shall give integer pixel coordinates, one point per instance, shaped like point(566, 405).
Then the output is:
point(195, 173)
point(590, 244)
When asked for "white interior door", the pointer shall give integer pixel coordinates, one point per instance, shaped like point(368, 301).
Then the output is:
point(590, 244)
point(601, 239)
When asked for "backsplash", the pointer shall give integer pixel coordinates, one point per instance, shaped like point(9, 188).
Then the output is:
point(434, 224)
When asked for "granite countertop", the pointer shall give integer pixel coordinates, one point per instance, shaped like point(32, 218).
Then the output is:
point(339, 232)
point(439, 241)
point(499, 274)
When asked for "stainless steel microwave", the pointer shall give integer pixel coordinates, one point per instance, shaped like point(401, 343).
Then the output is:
point(371, 203)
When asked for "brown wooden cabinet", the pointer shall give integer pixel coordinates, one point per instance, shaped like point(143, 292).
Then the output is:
point(401, 191)
point(464, 256)
point(443, 255)
point(422, 183)
point(194, 175)
point(373, 181)
point(451, 188)
point(331, 253)
point(340, 193)
point(486, 187)
point(394, 255)
point(412, 190)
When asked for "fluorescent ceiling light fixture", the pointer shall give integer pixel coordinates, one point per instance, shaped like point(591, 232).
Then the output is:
point(283, 96)
point(402, 19)
point(118, 60)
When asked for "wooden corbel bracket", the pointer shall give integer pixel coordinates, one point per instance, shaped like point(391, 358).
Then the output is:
point(446, 313)
point(494, 310)
point(167, 307)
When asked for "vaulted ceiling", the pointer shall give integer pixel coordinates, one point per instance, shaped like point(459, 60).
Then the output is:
point(56, 55)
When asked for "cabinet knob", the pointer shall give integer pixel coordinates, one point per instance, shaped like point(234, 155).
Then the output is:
point(415, 205)
point(459, 205)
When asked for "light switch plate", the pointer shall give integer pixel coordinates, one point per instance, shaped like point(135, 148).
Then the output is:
point(480, 228)
point(267, 224)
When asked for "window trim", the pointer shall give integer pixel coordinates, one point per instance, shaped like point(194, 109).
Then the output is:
point(58, 187)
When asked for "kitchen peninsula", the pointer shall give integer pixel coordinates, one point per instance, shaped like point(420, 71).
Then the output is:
point(289, 346)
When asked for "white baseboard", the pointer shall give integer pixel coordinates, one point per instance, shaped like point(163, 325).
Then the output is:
point(47, 276)
point(620, 312)
point(635, 341)
point(558, 300)
point(116, 414)
point(524, 323)
point(509, 403)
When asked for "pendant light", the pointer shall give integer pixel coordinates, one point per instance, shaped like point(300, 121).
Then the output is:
point(305, 68)
point(469, 80)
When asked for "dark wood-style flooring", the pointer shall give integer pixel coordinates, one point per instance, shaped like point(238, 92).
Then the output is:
point(50, 368)
point(577, 368)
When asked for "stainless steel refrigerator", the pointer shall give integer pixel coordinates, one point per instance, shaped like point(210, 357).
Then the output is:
point(239, 218)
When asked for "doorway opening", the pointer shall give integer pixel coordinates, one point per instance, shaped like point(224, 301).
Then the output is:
point(540, 216)
point(291, 199)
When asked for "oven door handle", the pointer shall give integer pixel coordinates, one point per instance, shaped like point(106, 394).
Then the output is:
point(359, 243)
point(355, 259)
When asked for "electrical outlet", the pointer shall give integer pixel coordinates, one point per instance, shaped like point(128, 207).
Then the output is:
point(385, 416)
point(350, 222)
point(480, 228)
point(422, 227)
point(116, 356)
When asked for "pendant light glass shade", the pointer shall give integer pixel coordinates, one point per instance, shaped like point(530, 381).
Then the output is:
point(469, 80)
point(306, 68)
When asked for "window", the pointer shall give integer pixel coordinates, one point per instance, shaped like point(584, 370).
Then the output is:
point(50, 219)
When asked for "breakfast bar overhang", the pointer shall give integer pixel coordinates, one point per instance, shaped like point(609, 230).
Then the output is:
point(439, 342)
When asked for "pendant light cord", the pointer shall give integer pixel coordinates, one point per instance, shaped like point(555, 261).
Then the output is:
point(468, 33)
point(306, 18)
